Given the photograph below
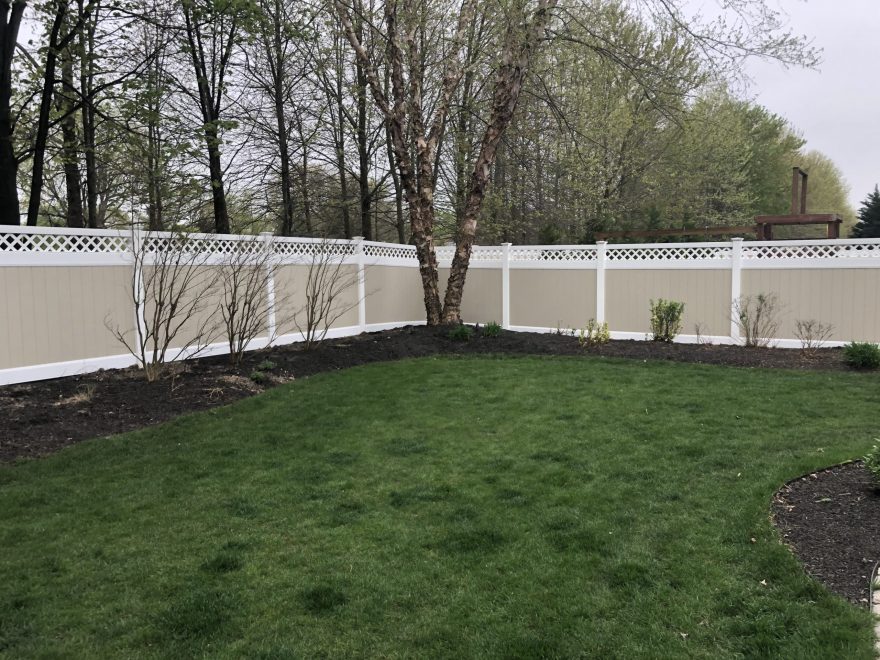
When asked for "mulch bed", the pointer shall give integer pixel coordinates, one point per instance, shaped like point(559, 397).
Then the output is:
point(42, 417)
point(831, 521)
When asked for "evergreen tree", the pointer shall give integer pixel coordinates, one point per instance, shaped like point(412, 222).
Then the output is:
point(868, 225)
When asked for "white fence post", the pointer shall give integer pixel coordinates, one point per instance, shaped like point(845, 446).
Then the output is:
point(735, 285)
point(601, 255)
point(505, 285)
point(140, 300)
point(362, 282)
point(270, 286)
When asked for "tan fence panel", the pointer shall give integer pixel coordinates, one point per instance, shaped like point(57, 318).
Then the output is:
point(552, 298)
point(57, 313)
point(847, 298)
point(290, 298)
point(705, 293)
point(481, 300)
point(394, 294)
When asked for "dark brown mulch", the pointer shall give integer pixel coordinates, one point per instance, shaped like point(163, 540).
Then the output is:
point(42, 417)
point(831, 520)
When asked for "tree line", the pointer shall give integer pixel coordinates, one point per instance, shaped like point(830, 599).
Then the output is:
point(405, 120)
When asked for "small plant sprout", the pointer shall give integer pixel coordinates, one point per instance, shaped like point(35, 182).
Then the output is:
point(492, 329)
point(461, 333)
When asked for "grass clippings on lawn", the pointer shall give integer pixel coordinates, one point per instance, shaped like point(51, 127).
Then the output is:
point(445, 507)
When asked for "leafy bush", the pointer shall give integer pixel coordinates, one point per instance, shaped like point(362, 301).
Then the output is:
point(492, 329)
point(593, 334)
point(461, 333)
point(862, 355)
point(872, 462)
point(666, 319)
point(266, 365)
point(757, 318)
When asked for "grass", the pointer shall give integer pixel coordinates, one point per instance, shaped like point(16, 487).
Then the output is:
point(492, 507)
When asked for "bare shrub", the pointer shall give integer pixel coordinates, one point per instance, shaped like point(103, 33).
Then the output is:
point(244, 303)
point(700, 333)
point(757, 318)
point(172, 297)
point(327, 280)
point(812, 334)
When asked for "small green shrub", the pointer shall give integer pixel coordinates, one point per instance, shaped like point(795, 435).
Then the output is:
point(593, 334)
point(259, 377)
point(862, 355)
point(461, 333)
point(872, 462)
point(666, 319)
point(492, 329)
point(266, 365)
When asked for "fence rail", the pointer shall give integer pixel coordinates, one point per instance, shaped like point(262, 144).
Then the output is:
point(59, 286)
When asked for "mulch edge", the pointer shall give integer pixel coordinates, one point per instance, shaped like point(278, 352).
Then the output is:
point(873, 575)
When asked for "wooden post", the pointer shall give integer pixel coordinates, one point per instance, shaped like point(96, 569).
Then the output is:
point(803, 191)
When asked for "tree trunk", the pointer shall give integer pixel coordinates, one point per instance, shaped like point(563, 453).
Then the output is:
point(215, 167)
point(10, 20)
point(306, 198)
point(42, 133)
point(508, 87)
point(211, 88)
point(69, 149)
point(277, 56)
point(87, 76)
point(363, 146)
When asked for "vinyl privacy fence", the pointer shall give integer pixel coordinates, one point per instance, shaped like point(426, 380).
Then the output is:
point(61, 290)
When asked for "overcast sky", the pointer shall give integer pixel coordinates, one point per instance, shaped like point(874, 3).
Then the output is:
point(837, 109)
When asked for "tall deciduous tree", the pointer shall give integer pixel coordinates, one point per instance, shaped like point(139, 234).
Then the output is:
point(212, 29)
point(405, 115)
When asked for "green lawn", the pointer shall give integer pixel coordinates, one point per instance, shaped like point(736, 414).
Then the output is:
point(491, 507)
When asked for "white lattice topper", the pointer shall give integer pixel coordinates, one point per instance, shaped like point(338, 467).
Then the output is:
point(51, 240)
point(668, 253)
point(552, 253)
point(808, 250)
point(64, 242)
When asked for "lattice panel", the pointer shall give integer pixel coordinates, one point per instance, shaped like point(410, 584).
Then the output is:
point(445, 252)
point(23, 242)
point(212, 246)
point(486, 253)
point(838, 251)
point(667, 253)
point(389, 251)
point(294, 248)
point(552, 254)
